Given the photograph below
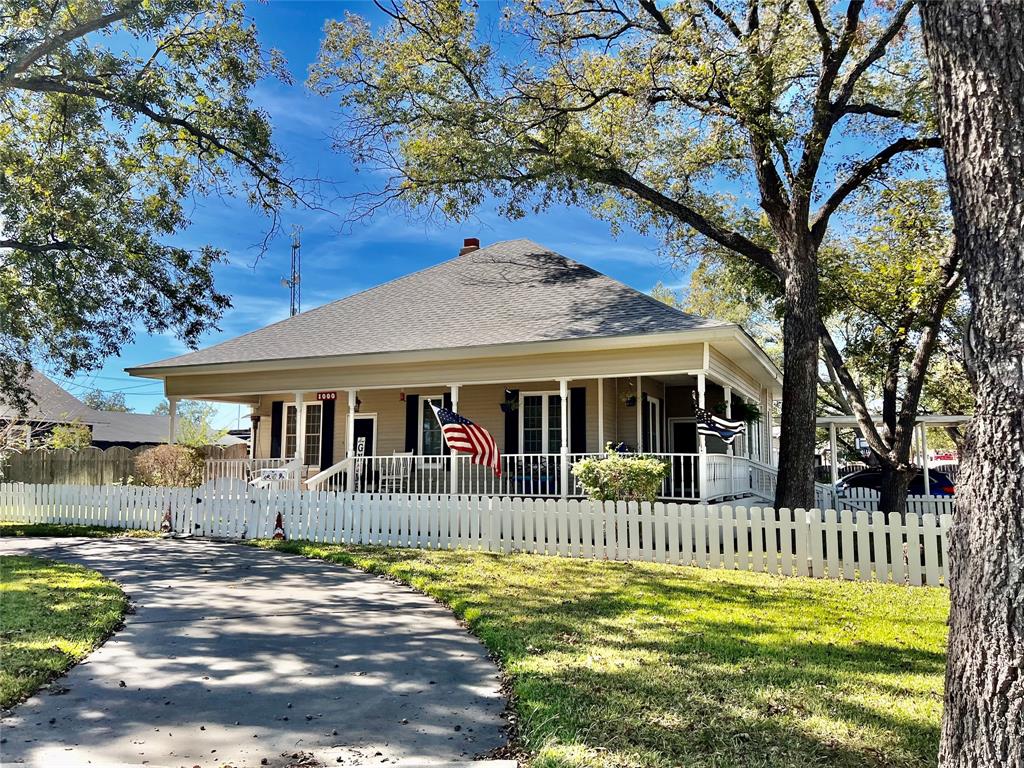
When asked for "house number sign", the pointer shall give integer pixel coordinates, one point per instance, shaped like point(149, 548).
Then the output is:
point(326, 395)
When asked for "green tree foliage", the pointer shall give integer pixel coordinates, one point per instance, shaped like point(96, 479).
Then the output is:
point(194, 422)
point(73, 435)
point(106, 401)
point(117, 114)
point(708, 122)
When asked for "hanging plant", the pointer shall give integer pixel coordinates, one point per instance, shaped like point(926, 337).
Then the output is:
point(511, 402)
point(746, 412)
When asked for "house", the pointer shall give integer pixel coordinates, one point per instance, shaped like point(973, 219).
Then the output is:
point(554, 358)
point(54, 405)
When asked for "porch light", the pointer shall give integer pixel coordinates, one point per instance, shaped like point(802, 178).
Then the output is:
point(358, 403)
point(401, 395)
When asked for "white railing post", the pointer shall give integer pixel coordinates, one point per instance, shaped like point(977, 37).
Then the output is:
point(563, 480)
point(453, 456)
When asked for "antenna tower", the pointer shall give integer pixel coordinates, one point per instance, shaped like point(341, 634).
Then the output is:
point(294, 283)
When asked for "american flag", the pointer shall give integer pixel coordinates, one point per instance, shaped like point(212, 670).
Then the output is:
point(715, 426)
point(464, 436)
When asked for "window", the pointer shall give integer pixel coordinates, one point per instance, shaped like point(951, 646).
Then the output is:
point(540, 422)
point(652, 424)
point(430, 438)
point(314, 431)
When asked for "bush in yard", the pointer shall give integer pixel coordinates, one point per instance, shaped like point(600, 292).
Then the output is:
point(74, 435)
point(620, 477)
point(177, 466)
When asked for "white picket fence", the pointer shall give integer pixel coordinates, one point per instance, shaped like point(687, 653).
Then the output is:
point(865, 546)
point(866, 499)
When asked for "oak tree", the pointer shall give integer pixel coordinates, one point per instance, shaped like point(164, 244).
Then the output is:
point(116, 116)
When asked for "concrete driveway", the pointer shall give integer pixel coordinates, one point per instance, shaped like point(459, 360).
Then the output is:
point(235, 655)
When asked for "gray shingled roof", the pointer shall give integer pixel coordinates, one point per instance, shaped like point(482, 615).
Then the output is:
point(54, 404)
point(512, 291)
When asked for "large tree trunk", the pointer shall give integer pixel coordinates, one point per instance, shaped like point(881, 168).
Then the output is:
point(893, 496)
point(976, 51)
point(795, 486)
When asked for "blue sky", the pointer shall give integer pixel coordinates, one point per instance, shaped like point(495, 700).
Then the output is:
point(339, 260)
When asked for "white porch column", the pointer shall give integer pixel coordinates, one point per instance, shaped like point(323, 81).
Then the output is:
point(350, 439)
point(924, 459)
point(833, 452)
point(600, 415)
point(639, 415)
point(727, 391)
point(454, 456)
point(563, 393)
point(300, 439)
point(350, 425)
point(172, 420)
point(253, 417)
point(702, 448)
point(728, 411)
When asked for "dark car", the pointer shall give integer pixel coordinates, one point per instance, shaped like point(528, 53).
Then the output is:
point(871, 478)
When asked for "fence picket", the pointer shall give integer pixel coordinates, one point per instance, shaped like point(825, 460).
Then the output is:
point(839, 545)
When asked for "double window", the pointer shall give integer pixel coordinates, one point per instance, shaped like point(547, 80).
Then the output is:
point(314, 431)
point(540, 422)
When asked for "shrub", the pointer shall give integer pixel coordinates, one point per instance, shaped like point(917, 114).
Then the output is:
point(177, 466)
point(621, 477)
point(72, 435)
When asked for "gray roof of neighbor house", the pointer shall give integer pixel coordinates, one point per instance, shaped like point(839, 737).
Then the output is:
point(509, 292)
point(117, 427)
point(53, 404)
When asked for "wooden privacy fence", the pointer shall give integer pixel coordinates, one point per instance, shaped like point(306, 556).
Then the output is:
point(865, 546)
point(91, 466)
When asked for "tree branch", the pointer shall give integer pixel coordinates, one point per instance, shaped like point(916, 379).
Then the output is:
point(853, 394)
point(734, 241)
point(876, 52)
point(27, 59)
point(861, 174)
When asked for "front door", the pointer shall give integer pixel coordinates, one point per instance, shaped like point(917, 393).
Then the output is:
point(362, 445)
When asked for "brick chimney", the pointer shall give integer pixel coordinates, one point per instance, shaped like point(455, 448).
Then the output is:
point(469, 245)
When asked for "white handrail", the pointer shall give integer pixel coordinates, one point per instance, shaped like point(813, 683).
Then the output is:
point(320, 477)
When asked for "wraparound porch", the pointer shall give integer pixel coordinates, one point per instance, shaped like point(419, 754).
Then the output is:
point(386, 440)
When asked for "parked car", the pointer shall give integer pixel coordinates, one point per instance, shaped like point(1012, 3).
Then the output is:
point(871, 478)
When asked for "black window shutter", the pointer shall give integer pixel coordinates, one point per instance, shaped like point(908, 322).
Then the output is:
point(447, 403)
point(578, 420)
point(412, 411)
point(276, 418)
point(327, 434)
point(645, 424)
point(512, 423)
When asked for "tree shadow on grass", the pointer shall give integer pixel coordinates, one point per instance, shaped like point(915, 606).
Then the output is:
point(673, 666)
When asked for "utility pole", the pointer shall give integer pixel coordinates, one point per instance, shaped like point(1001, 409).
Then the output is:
point(294, 283)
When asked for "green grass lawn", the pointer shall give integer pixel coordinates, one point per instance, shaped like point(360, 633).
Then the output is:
point(8, 528)
point(51, 616)
point(615, 664)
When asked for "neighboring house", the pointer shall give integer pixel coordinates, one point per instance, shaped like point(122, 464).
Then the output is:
point(54, 405)
point(554, 358)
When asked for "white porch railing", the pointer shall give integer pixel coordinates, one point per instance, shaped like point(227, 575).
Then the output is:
point(539, 476)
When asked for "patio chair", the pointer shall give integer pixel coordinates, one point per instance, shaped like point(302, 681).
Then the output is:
point(395, 474)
